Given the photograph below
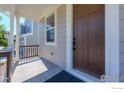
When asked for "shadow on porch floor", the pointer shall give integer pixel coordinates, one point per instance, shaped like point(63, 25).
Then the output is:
point(36, 69)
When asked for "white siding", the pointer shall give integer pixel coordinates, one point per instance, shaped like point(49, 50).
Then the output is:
point(59, 50)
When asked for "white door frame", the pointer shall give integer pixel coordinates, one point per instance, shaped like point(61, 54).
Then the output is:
point(111, 44)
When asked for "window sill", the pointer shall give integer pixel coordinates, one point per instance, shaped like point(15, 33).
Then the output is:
point(50, 44)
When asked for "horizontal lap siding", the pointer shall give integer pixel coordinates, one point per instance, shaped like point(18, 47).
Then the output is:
point(121, 27)
point(59, 50)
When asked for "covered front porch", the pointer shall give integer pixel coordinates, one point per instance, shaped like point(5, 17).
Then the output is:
point(28, 64)
point(50, 36)
point(34, 69)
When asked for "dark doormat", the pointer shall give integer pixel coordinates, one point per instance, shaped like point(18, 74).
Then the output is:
point(64, 77)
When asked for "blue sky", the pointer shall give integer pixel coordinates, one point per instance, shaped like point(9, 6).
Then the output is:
point(6, 21)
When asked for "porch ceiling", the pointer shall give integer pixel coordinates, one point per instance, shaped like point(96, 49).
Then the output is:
point(31, 11)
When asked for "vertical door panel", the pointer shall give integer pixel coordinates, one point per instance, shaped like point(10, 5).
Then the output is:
point(89, 38)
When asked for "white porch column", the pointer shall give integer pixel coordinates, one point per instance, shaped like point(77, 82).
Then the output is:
point(69, 36)
point(17, 38)
point(12, 12)
point(112, 42)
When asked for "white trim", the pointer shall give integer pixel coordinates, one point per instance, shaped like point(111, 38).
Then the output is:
point(4, 12)
point(38, 33)
point(69, 37)
point(112, 40)
point(25, 40)
point(12, 12)
point(17, 38)
point(55, 20)
point(111, 43)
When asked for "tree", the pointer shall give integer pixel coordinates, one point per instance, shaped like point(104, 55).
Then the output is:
point(3, 41)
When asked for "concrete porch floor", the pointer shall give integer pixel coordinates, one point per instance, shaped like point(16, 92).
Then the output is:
point(34, 69)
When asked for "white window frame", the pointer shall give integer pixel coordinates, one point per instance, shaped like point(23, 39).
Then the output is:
point(24, 42)
point(21, 40)
point(28, 34)
point(55, 27)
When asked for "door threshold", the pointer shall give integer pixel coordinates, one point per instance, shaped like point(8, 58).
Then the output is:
point(84, 76)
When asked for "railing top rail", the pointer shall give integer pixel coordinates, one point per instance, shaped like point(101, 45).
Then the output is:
point(28, 45)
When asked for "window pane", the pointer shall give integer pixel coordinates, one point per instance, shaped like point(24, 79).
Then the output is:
point(50, 21)
point(23, 29)
point(26, 27)
point(50, 35)
point(29, 27)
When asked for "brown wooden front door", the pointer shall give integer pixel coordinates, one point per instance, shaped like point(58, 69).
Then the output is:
point(89, 38)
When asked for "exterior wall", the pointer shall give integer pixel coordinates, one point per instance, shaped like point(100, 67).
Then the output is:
point(58, 50)
point(121, 22)
point(30, 39)
point(33, 39)
point(21, 41)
